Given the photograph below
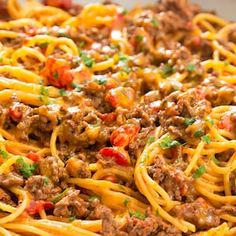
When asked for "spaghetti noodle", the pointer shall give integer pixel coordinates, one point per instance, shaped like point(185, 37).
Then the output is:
point(116, 122)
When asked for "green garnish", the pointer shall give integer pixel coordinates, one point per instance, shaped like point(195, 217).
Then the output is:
point(76, 87)
point(151, 139)
point(168, 142)
point(62, 92)
point(189, 121)
point(125, 11)
point(46, 180)
point(126, 69)
point(44, 91)
point(26, 169)
point(191, 67)
point(211, 122)
point(139, 38)
point(101, 80)
point(4, 154)
point(72, 218)
point(87, 60)
point(126, 202)
point(198, 133)
point(199, 172)
point(94, 198)
point(167, 70)
point(157, 212)
point(206, 139)
point(216, 161)
point(123, 57)
point(138, 215)
point(226, 63)
point(60, 196)
point(155, 22)
point(1, 59)
point(43, 45)
point(56, 75)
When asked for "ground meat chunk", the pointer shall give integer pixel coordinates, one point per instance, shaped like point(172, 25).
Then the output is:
point(5, 197)
point(176, 184)
point(199, 212)
point(72, 205)
point(54, 169)
point(11, 179)
point(151, 225)
point(40, 187)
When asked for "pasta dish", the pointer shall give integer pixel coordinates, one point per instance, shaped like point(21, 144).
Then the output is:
point(116, 122)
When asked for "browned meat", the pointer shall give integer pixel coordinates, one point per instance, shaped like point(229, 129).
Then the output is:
point(199, 212)
point(176, 184)
point(151, 225)
point(227, 209)
point(3, 10)
point(5, 197)
point(54, 169)
point(72, 205)
point(41, 187)
point(11, 179)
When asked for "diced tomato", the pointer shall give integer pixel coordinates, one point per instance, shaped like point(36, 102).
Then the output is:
point(122, 136)
point(34, 157)
point(57, 72)
point(197, 41)
point(65, 4)
point(225, 123)
point(108, 117)
point(121, 96)
point(36, 206)
point(118, 22)
point(15, 112)
point(113, 153)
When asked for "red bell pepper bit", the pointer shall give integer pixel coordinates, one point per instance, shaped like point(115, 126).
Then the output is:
point(15, 112)
point(34, 157)
point(226, 123)
point(108, 117)
point(111, 153)
point(122, 136)
point(36, 206)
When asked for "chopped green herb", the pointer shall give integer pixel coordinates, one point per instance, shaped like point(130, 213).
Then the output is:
point(1, 59)
point(167, 70)
point(226, 63)
point(72, 218)
point(43, 45)
point(189, 121)
point(151, 140)
point(138, 215)
point(76, 87)
point(46, 180)
point(126, 69)
point(211, 122)
point(87, 60)
point(62, 92)
point(26, 169)
point(155, 22)
point(126, 202)
point(56, 75)
point(216, 161)
point(139, 38)
point(106, 57)
point(4, 154)
point(199, 172)
point(94, 198)
point(168, 142)
point(101, 80)
point(125, 11)
point(191, 67)
point(206, 139)
point(44, 91)
point(114, 46)
point(198, 133)
point(123, 57)
point(60, 196)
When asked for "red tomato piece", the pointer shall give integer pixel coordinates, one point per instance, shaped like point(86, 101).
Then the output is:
point(34, 157)
point(110, 178)
point(108, 117)
point(112, 153)
point(15, 112)
point(57, 72)
point(122, 136)
point(65, 4)
point(36, 206)
point(225, 123)
point(121, 96)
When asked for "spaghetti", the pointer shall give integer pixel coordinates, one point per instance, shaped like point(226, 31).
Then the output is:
point(116, 122)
